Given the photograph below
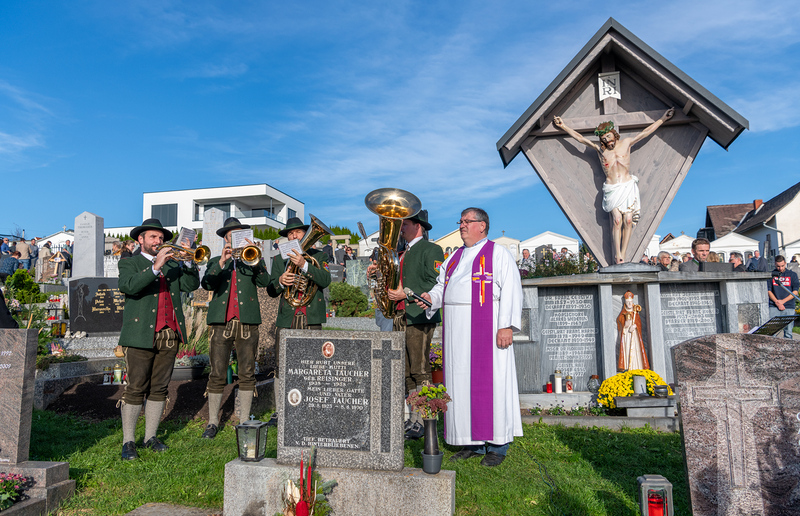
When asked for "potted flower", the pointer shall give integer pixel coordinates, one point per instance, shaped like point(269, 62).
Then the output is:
point(11, 487)
point(189, 364)
point(436, 359)
point(430, 401)
point(621, 386)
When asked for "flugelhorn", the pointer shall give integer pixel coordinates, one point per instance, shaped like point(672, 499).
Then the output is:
point(391, 205)
point(249, 255)
point(303, 290)
point(199, 256)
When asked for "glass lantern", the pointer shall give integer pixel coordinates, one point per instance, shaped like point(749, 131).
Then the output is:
point(655, 496)
point(594, 384)
point(251, 438)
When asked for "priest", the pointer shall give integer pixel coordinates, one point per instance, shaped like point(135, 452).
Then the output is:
point(480, 291)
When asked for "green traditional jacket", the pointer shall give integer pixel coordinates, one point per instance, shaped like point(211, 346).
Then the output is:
point(218, 281)
point(420, 270)
point(140, 286)
point(315, 312)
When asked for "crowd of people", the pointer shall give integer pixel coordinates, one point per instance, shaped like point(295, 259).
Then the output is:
point(23, 254)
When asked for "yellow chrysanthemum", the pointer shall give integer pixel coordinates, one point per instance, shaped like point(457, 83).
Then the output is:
point(621, 384)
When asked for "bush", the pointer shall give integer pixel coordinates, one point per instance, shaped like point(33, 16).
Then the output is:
point(22, 287)
point(347, 300)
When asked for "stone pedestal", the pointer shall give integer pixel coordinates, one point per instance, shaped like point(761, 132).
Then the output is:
point(254, 488)
point(51, 484)
point(647, 406)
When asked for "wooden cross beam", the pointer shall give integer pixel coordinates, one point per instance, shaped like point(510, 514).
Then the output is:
point(622, 121)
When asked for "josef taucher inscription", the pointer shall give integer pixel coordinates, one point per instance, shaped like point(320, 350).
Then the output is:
point(96, 305)
point(688, 311)
point(341, 392)
point(569, 332)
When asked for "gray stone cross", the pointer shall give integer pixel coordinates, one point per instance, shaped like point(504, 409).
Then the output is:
point(733, 398)
point(386, 355)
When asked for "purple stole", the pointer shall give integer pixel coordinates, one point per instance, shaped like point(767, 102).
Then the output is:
point(482, 345)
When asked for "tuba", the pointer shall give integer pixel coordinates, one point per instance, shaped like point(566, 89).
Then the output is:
point(303, 290)
point(391, 205)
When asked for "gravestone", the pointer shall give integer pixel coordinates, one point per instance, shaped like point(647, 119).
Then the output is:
point(17, 374)
point(96, 305)
point(740, 419)
point(343, 393)
point(213, 219)
point(357, 273)
point(51, 483)
point(89, 246)
point(689, 310)
point(337, 273)
point(569, 332)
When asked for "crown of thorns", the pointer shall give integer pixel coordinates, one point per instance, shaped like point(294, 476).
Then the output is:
point(604, 128)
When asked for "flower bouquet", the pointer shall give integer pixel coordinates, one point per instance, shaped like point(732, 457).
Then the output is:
point(11, 487)
point(430, 400)
point(307, 496)
point(435, 356)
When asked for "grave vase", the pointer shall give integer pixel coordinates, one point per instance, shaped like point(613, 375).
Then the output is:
point(431, 456)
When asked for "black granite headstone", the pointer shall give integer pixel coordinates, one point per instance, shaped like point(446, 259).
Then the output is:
point(337, 273)
point(95, 305)
point(570, 335)
point(342, 392)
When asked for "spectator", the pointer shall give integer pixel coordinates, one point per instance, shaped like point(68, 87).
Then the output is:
point(46, 253)
point(783, 286)
point(24, 250)
point(756, 263)
point(793, 265)
point(686, 257)
point(67, 247)
point(700, 249)
point(9, 266)
point(527, 263)
point(737, 261)
point(713, 257)
point(127, 249)
point(664, 260)
point(645, 259)
point(34, 251)
point(5, 249)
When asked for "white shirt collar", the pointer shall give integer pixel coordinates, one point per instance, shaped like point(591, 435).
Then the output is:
point(478, 243)
point(414, 241)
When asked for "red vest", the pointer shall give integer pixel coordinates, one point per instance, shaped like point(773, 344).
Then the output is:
point(165, 314)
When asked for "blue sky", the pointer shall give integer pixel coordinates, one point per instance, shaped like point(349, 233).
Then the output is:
point(326, 101)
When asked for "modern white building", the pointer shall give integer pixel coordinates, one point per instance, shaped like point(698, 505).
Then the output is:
point(731, 242)
point(261, 206)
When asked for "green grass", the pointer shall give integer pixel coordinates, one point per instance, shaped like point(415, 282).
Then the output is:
point(593, 470)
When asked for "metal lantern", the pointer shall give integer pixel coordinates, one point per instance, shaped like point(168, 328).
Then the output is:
point(58, 329)
point(251, 438)
point(594, 384)
point(655, 496)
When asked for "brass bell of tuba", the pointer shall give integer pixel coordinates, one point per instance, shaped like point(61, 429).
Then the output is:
point(391, 205)
point(303, 290)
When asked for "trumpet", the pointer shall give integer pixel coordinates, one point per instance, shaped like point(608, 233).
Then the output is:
point(199, 256)
point(249, 255)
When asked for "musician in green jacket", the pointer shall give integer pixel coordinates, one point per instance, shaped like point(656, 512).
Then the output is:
point(308, 317)
point(419, 269)
point(234, 315)
point(152, 329)
point(311, 316)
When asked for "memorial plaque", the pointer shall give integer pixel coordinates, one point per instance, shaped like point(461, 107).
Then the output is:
point(342, 392)
point(17, 374)
point(740, 419)
point(689, 310)
point(95, 305)
point(570, 335)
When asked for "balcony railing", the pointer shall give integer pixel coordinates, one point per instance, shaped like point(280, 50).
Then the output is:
point(243, 214)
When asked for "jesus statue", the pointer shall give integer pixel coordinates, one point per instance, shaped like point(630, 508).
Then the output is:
point(620, 191)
